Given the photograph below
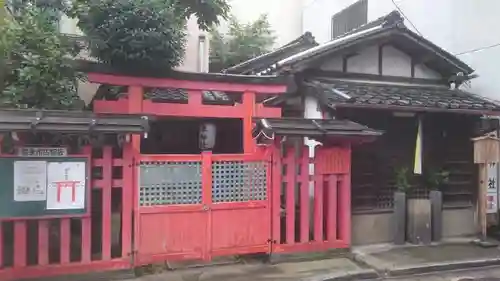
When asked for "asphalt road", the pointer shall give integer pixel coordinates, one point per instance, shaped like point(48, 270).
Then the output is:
point(484, 274)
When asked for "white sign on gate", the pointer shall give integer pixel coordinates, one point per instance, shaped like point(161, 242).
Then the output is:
point(30, 180)
point(66, 187)
point(492, 188)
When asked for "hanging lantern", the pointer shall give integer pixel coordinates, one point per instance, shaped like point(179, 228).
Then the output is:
point(207, 135)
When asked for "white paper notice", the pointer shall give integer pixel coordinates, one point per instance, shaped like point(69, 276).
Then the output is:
point(66, 185)
point(30, 180)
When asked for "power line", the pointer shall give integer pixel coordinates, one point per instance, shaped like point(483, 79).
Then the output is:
point(309, 4)
point(457, 54)
point(403, 14)
point(478, 49)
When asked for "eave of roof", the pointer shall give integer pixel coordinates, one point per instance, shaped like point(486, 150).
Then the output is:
point(254, 65)
point(389, 25)
point(313, 128)
point(423, 98)
point(79, 122)
point(87, 66)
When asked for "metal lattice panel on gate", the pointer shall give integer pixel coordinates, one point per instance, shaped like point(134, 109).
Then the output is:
point(170, 183)
point(237, 181)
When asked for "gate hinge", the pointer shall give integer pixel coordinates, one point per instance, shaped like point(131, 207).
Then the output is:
point(132, 255)
point(271, 241)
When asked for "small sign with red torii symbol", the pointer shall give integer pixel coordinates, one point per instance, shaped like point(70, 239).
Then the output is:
point(66, 185)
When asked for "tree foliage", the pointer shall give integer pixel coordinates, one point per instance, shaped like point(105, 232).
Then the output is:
point(35, 70)
point(142, 33)
point(208, 12)
point(242, 42)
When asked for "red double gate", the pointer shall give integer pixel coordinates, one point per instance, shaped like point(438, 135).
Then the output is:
point(201, 206)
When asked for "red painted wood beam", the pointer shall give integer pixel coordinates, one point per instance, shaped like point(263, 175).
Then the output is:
point(183, 84)
point(248, 114)
point(186, 110)
point(38, 271)
point(193, 110)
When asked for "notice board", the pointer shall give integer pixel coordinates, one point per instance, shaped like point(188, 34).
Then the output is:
point(41, 187)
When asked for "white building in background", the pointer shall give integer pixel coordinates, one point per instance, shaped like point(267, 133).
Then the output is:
point(195, 56)
point(465, 28)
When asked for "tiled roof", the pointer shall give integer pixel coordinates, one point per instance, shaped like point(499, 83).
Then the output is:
point(312, 127)
point(180, 96)
point(263, 63)
point(170, 95)
point(382, 95)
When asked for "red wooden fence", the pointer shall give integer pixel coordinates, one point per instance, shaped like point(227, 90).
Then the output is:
point(311, 212)
point(50, 246)
point(290, 215)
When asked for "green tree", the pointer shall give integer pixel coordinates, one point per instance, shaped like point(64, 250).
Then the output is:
point(242, 42)
point(36, 72)
point(142, 33)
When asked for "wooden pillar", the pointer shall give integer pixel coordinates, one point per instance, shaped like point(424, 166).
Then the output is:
point(86, 224)
point(130, 196)
point(277, 178)
point(249, 107)
point(482, 200)
point(135, 101)
point(106, 188)
point(206, 197)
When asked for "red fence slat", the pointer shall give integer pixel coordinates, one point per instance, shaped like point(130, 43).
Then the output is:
point(86, 240)
point(304, 196)
point(43, 242)
point(127, 199)
point(65, 240)
point(275, 196)
point(318, 208)
point(20, 229)
point(290, 195)
point(345, 209)
point(107, 170)
point(331, 223)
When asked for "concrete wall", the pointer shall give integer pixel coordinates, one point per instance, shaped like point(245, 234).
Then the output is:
point(462, 27)
point(371, 228)
point(192, 55)
point(458, 222)
point(377, 228)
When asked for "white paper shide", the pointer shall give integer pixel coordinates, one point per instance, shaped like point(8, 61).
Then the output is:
point(66, 185)
point(30, 181)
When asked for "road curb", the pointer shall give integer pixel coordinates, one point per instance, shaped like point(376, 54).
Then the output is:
point(438, 267)
point(349, 276)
